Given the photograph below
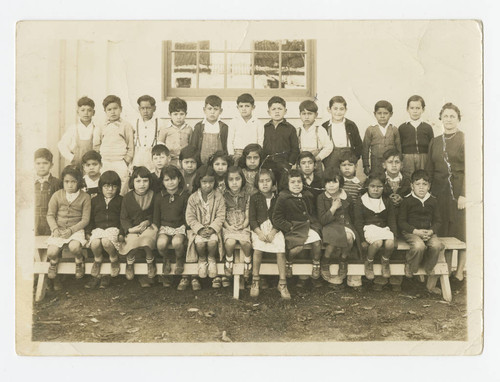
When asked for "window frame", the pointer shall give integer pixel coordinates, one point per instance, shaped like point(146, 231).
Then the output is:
point(168, 92)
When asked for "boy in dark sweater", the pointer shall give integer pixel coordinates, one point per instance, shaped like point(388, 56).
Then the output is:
point(415, 136)
point(419, 220)
point(160, 156)
point(313, 182)
point(281, 145)
point(92, 164)
point(45, 186)
point(210, 135)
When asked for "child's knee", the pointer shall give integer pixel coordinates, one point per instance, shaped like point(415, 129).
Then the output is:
point(95, 244)
point(162, 242)
point(389, 244)
point(53, 252)
point(377, 244)
point(230, 243)
point(107, 244)
point(178, 242)
point(212, 245)
point(201, 247)
point(74, 246)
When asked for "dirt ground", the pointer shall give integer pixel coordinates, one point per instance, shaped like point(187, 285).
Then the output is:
point(125, 312)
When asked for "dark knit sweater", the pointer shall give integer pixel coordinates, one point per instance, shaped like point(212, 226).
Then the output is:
point(170, 210)
point(415, 141)
point(413, 215)
point(132, 214)
point(281, 140)
point(102, 216)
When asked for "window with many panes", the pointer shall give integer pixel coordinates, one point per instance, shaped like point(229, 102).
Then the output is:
point(229, 68)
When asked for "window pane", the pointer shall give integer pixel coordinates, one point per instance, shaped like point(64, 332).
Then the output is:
point(184, 45)
point(267, 45)
point(184, 70)
point(293, 71)
point(211, 70)
point(239, 70)
point(293, 45)
point(266, 70)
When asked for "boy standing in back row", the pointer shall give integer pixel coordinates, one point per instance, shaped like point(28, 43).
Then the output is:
point(210, 135)
point(77, 139)
point(244, 129)
point(281, 145)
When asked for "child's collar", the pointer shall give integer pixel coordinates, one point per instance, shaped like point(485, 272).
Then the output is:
point(108, 122)
point(397, 177)
point(332, 122)
point(355, 180)
point(205, 122)
point(427, 196)
point(342, 195)
point(91, 123)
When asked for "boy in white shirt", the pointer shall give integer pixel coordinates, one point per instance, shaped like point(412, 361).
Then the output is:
point(145, 132)
point(311, 136)
point(78, 138)
point(244, 129)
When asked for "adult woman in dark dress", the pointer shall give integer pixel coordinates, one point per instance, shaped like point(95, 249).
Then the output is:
point(446, 167)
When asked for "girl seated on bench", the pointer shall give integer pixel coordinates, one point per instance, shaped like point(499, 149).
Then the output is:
point(68, 214)
point(294, 215)
point(104, 229)
point(334, 215)
point(236, 225)
point(137, 221)
point(375, 222)
point(265, 236)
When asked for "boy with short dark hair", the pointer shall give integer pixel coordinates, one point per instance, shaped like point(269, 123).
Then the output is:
point(160, 155)
point(397, 185)
point(379, 138)
point(415, 136)
point(419, 220)
point(78, 138)
point(281, 145)
point(45, 186)
point(189, 165)
point(92, 163)
point(145, 132)
point(313, 182)
point(210, 135)
point(115, 141)
point(342, 132)
point(176, 136)
point(311, 136)
point(245, 128)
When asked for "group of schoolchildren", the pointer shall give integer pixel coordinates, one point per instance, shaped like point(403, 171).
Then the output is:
point(272, 189)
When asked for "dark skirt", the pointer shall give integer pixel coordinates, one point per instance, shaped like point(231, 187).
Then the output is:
point(334, 234)
point(298, 235)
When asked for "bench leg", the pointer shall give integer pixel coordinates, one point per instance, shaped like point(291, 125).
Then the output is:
point(41, 287)
point(236, 286)
point(445, 288)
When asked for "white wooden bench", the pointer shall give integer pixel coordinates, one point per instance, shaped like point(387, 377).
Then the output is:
point(41, 267)
point(446, 263)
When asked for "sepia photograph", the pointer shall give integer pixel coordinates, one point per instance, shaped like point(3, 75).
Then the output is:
point(249, 187)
